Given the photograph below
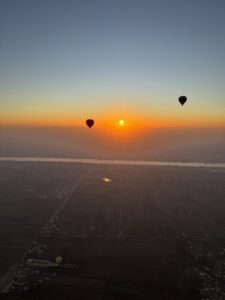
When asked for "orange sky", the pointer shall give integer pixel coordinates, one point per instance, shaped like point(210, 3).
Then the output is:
point(174, 115)
point(79, 63)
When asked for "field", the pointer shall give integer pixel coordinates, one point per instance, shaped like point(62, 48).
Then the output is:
point(124, 229)
point(29, 194)
point(148, 203)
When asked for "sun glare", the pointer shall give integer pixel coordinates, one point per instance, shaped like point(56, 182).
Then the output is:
point(106, 179)
point(121, 122)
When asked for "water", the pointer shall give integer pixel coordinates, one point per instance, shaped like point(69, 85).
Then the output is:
point(114, 162)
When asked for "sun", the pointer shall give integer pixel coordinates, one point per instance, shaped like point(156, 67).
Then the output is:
point(121, 122)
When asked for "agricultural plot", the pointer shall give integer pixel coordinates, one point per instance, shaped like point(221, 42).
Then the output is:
point(123, 231)
point(147, 203)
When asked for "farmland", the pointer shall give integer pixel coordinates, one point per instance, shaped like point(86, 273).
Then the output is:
point(124, 232)
point(148, 203)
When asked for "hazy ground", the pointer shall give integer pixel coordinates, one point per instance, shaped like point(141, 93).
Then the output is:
point(29, 194)
point(148, 202)
point(201, 145)
point(131, 236)
point(127, 234)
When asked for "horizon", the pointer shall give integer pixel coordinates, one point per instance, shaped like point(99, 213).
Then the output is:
point(65, 61)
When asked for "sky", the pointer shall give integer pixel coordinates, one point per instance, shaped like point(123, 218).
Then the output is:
point(62, 62)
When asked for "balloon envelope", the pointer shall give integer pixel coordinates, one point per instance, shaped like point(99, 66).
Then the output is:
point(182, 99)
point(58, 260)
point(90, 123)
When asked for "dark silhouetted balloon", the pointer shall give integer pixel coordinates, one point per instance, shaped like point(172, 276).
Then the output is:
point(90, 123)
point(182, 99)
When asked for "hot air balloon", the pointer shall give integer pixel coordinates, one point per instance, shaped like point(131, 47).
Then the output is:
point(90, 122)
point(182, 99)
point(58, 260)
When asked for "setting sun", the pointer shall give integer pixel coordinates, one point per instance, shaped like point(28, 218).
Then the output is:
point(121, 122)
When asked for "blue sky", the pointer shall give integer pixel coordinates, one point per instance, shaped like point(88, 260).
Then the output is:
point(79, 57)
